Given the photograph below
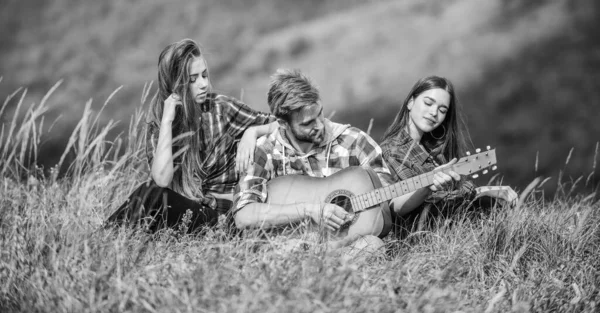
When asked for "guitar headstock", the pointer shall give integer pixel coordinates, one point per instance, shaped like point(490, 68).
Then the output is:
point(472, 164)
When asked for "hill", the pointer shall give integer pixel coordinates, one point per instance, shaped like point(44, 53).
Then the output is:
point(525, 71)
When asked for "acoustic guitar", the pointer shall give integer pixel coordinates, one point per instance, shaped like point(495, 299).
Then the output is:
point(359, 191)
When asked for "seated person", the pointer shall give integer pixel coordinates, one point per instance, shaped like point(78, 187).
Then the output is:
point(192, 140)
point(424, 135)
point(305, 143)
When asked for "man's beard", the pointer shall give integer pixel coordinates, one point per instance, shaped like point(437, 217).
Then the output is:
point(308, 138)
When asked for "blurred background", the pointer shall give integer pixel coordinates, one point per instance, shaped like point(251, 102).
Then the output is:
point(527, 72)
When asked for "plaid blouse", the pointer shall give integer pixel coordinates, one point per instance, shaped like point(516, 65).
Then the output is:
point(224, 120)
point(406, 158)
point(275, 156)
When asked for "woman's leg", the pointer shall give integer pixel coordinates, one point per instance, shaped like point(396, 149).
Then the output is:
point(157, 207)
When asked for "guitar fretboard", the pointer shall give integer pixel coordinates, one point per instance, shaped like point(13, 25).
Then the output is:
point(465, 166)
point(377, 196)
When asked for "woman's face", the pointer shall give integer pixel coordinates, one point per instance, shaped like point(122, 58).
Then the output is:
point(198, 83)
point(428, 110)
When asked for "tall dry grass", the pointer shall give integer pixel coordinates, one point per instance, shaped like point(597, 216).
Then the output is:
point(540, 256)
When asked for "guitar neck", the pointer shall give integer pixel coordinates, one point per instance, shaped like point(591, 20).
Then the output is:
point(377, 196)
point(467, 165)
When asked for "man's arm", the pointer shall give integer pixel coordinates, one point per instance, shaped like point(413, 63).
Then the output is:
point(252, 211)
point(265, 215)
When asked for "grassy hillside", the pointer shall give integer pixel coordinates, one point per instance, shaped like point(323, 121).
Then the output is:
point(541, 256)
point(404, 40)
point(526, 71)
point(544, 104)
point(95, 47)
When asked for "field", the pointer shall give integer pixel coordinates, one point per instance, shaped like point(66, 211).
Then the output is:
point(541, 256)
point(526, 72)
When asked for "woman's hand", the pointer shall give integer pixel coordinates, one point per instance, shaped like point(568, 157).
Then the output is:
point(169, 108)
point(444, 177)
point(245, 151)
point(505, 193)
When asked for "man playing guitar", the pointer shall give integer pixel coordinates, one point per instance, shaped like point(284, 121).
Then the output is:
point(306, 143)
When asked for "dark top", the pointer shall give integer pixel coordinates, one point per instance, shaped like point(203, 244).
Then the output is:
point(224, 120)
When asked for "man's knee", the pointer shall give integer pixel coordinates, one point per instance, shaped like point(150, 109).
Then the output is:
point(365, 248)
point(369, 244)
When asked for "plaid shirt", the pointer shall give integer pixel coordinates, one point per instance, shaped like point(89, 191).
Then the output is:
point(275, 156)
point(406, 158)
point(224, 121)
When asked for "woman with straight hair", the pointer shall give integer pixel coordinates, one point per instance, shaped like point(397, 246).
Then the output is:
point(192, 146)
point(426, 135)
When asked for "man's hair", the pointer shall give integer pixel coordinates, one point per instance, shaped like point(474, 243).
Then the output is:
point(290, 90)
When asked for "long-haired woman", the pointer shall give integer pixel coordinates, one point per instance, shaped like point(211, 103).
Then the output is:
point(192, 146)
point(426, 134)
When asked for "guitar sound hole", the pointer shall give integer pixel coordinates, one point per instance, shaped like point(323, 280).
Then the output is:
point(344, 202)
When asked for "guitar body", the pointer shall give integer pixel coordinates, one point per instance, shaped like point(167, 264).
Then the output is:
point(336, 189)
point(360, 187)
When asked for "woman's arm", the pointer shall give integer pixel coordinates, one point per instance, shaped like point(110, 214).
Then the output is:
point(406, 203)
point(245, 152)
point(265, 129)
point(162, 163)
point(247, 124)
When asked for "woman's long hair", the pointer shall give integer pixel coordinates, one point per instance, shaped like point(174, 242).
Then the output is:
point(452, 137)
point(174, 77)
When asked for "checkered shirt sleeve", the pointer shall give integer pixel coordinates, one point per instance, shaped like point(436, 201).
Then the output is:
point(252, 186)
point(238, 116)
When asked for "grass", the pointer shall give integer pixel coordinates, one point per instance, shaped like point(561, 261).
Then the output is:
point(530, 64)
point(541, 256)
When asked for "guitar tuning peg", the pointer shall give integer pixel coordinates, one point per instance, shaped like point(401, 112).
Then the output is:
point(485, 172)
point(494, 167)
point(468, 153)
point(477, 150)
point(475, 176)
point(488, 147)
